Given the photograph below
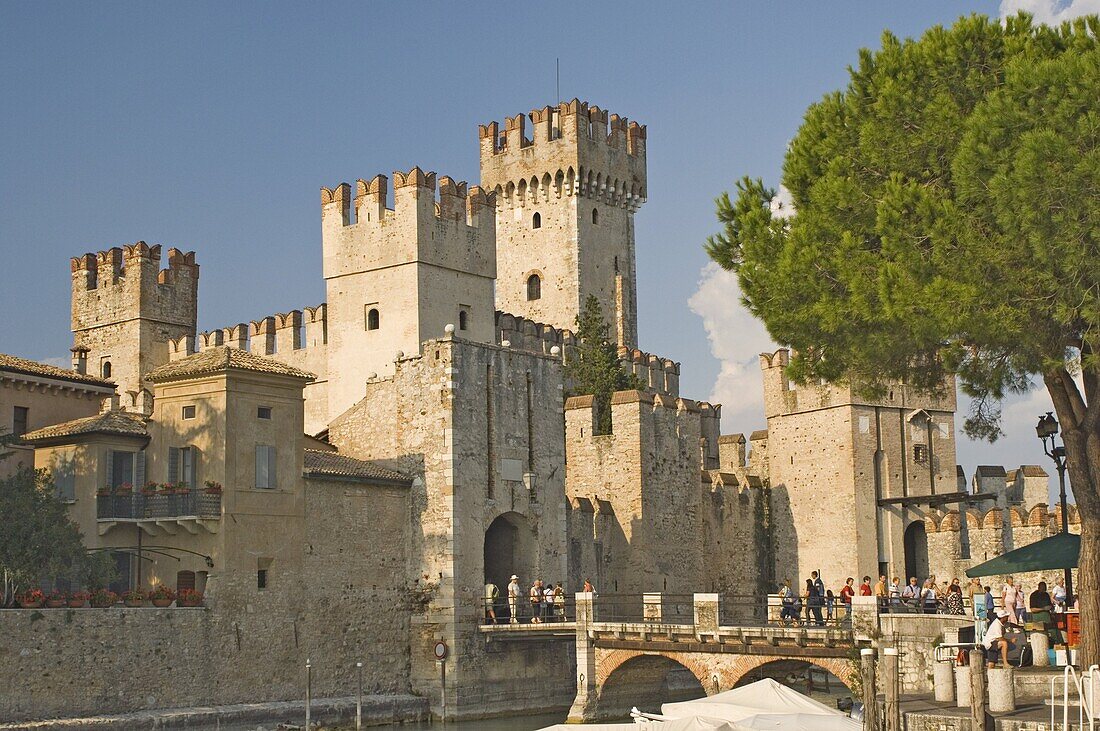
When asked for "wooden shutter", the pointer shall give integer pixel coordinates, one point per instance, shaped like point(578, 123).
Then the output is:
point(173, 465)
point(193, 477)
point(139, 469)
point(261, 466)
point(271, 471)
point(110, 468)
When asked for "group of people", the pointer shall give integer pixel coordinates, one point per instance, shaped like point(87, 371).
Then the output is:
point(546, 601)
point(816, 605)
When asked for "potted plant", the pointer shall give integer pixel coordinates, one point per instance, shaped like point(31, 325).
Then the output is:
point(103, 491)
point(150, 488)
point(212, 488)
point(55, 599)
point(134, 598)
point(102, 598)
point(78, 599)
point(31, 599)
point(162, 595)
point(189, 598)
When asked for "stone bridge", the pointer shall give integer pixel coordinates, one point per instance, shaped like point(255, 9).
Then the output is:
point(665, 648)
point(616, 659)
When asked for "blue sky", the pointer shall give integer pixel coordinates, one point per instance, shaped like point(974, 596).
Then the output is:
point(212, 126)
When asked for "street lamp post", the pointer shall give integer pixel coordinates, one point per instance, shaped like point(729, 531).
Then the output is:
point(1047, 430)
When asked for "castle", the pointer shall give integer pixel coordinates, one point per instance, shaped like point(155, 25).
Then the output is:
point(371, 462)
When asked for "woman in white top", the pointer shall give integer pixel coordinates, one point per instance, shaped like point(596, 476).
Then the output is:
point(1058, 594)
point(1010, 597)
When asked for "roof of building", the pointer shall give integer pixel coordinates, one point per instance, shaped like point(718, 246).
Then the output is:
point(223, 358)
point(990, 470)
point(15, 364)
point(108, 422)
point(758, 434)
point(337, 466)
point(1032, 470)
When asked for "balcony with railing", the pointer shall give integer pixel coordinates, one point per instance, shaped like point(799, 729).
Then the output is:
point(162, 511)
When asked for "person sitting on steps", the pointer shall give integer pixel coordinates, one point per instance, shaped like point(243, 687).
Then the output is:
point(995, 639)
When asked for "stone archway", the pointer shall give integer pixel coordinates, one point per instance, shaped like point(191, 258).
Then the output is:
point(745, 665)
point(630, 678)
point(511, 547)
point(915, 542)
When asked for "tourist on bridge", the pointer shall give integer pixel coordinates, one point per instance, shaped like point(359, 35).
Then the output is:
point(814, 602)
point(513, 598)
point(929, 597)
point(588, 588)
point(865, 587)
point(954, 602)
point(559, 601)
point(911, 594)
point(548, 602)
point(894, 591)
point(492, 593)
point(534, 596)
point(882, 594)
point(789, 605)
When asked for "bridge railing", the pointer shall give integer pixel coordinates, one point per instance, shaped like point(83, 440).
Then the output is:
point(561, 609)
point(761, 611)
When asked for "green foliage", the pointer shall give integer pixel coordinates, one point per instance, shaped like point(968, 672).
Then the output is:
point(595, 369)
point(39, 540)
point(947, 216)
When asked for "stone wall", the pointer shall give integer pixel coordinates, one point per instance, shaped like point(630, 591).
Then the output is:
point(481, 428)
point(656, 520)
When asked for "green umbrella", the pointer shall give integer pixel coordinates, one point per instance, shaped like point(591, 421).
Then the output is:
point(1057, 552)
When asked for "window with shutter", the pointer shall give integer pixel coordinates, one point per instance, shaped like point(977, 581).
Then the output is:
point(173, 464)
point(120, 468)
point(265, 466)
point(64, 478)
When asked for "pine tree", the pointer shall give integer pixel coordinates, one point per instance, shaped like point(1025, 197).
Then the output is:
point(595, 369)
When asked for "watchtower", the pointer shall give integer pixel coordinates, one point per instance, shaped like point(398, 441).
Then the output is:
point(864, 471)
point(565, 216)
point(397, 277)
point(126, 310)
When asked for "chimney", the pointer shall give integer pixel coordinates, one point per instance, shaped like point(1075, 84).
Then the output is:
point(80, 360)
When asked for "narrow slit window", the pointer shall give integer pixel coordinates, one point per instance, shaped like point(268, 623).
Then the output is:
point(372, 318)
point(534, 287)
point(595, 216)
point(106, 369)
point(536, 220)
point(462, 319)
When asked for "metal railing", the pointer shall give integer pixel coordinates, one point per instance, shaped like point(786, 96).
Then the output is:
point(563, 609)
point(1085, 685)
point(141, 506)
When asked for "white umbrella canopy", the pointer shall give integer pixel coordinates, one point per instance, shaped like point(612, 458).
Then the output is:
point(760, 698)
point(797, 722)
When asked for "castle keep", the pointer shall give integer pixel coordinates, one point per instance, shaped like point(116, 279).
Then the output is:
point(350, 475)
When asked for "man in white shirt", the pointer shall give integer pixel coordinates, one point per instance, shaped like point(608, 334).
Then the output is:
point(513, 597)
point(995, 639)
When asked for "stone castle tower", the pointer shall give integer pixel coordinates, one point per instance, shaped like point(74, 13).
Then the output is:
point(397, 277)
point(852, 479)
point(126, 310)
point(566, 199)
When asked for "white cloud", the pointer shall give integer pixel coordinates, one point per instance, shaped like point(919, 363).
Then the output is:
point(736, 340)
point(1050, 12)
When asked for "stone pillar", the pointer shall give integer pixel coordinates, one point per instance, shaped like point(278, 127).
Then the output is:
point(706, 615)
point(1002, 692)
point(943, 680)
point(962, 686)
point(864, 618)
point(584, 705)
point(651, 608)
point(890, 685)
point(1040, 643)
point(775, 608)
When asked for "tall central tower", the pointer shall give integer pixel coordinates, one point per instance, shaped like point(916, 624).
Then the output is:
point(566, 191)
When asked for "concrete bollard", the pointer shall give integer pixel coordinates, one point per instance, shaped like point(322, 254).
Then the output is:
point(943, 680)
point(962, 686)
point(1040, 643)
point(1002, 691)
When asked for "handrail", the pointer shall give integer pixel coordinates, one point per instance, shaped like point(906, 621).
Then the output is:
point(1085, 708)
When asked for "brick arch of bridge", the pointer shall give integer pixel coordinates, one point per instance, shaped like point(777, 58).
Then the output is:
point(730, 668)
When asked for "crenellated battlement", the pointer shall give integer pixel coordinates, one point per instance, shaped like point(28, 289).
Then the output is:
point(94, 270)
point(415, 194)
point(656, 373)
point(575, 149)
point(521, 333)
point(784, 397)
point(275, 335)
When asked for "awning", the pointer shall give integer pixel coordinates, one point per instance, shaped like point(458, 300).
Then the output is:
point(1057, 552)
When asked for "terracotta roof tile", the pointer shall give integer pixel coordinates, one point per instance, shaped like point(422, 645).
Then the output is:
point(330, 464)
point(223, 358)
point(14, 364)
point(108, 422)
